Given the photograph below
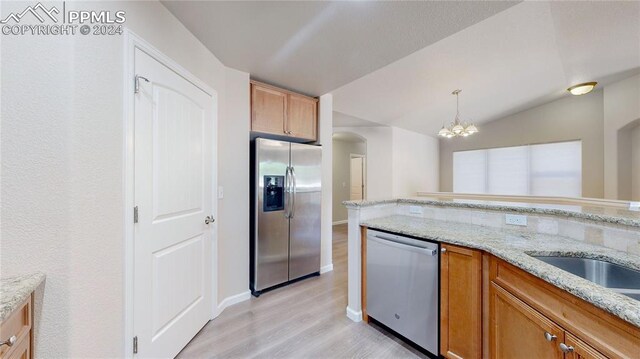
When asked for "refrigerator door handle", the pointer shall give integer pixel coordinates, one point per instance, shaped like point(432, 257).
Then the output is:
point(287, 193)
point(293, 194)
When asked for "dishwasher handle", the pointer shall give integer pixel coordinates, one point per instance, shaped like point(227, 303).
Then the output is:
point(394, 242)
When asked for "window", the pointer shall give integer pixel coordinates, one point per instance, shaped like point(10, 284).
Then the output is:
point(552, 169)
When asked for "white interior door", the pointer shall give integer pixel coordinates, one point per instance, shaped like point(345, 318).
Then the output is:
point(357, 178)
point(173, 192)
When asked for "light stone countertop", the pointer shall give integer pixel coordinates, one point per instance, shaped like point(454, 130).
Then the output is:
point(515, 247)
point(14, 290)
point(589, 212)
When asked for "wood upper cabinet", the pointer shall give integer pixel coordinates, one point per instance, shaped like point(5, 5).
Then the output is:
point(268, 110)
point(301, 117)
point(460, 302)
point(518, 331)
point(283, 113)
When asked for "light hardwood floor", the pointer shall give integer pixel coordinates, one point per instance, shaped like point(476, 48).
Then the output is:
point(303, 320)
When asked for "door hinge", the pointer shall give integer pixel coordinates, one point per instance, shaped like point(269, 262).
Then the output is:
point(135, 345)
point(135, 214)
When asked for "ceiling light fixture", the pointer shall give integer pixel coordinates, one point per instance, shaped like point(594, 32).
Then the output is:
point(456, 128)
point(582, 89)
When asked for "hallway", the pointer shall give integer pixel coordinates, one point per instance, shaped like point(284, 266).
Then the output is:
point(303, 320)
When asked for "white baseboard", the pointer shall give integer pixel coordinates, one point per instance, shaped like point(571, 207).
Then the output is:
point(327, 268)
point(340, 222)
point(353, 315)
point(234, 299)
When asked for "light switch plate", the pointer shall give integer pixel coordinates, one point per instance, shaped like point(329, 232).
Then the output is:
point(220, 192)
point(415, 209)
point(515, 219)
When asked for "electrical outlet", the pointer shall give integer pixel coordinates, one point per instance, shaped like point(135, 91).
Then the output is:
point(516, 219)
point(415, 209)
point(634, 206)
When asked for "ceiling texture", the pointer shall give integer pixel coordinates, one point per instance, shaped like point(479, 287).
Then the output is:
point(522, 57)
point(314, 47)
point(396, 63)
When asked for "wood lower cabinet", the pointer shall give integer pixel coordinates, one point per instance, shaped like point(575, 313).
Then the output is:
point(18, 325)
point(460, 302)
point(586, 331)
point(283, 113)
point(577, 349)
point(490, 308)
point(518, 331)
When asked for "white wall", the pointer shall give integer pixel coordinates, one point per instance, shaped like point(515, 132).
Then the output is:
point(415, 163)
point(621, 107)
point(399, 162)
point(325, 119)
point(62, 172)
point(342, 151)
point(233, 176)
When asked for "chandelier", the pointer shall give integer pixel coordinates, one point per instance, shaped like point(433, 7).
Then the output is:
point(456, 128)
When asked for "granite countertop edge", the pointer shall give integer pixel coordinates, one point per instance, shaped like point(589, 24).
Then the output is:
point(501, 207)
point(617, 304)
point(14, 290)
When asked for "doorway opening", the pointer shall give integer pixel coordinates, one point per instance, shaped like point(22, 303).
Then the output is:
point(349, 172)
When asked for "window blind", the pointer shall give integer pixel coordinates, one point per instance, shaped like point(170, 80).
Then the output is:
point(552, 169)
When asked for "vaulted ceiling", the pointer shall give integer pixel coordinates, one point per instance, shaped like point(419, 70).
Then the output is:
point(396, 63)
point(317, 46)
point(522, 57)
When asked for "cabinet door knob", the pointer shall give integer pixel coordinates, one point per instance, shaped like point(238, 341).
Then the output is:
point(566, 348)
point(443, 250)
point(9, 342)
point(549, 337)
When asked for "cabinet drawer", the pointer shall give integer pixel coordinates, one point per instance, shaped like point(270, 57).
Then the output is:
point(18, 324)
point(608, 334)
point(22, 349)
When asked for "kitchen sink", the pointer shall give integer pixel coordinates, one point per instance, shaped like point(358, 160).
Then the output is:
point(613, 276)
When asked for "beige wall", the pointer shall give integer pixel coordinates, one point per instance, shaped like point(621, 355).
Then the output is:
point(569, 118)
point(379, 157)
point(400, 163)
point(635, 164)
point(342, 151)
point(414, 163)
point(621, 107)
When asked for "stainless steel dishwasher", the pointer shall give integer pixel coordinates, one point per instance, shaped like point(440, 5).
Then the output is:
point(403, 286)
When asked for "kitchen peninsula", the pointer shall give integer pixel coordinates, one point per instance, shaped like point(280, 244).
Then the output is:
point(499, 259)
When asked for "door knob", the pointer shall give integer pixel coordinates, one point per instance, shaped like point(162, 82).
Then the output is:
point(209, 219)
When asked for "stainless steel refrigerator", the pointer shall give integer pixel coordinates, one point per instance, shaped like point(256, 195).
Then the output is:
point(285, 213)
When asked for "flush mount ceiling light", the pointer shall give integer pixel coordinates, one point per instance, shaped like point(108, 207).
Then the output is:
point(456, 128)
point(582, 89)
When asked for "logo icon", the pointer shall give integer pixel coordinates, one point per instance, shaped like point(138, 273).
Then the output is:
point(33, 10)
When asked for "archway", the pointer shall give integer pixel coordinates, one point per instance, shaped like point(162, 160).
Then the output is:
point(349, 172)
